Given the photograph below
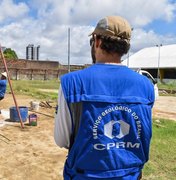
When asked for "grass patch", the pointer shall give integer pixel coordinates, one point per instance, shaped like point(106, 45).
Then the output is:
point(169, 87)
point(162, 163)
point(33, 88)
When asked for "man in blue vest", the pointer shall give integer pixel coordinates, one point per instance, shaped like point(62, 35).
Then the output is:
point(104, 112)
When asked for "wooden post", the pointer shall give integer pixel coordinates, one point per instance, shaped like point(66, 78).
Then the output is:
point(8, 77)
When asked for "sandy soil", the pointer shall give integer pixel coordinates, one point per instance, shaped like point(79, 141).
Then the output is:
point(165, 107)
point(31, 153)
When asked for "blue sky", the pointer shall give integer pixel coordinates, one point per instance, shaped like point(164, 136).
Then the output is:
point(162, 27)
point(46, 22)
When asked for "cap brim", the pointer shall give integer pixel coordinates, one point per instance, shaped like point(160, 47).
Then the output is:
point(90, 34)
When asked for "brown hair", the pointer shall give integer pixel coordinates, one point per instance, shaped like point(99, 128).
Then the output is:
point(111, 45)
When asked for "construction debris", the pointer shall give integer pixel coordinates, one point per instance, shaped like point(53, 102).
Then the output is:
point(46, 104)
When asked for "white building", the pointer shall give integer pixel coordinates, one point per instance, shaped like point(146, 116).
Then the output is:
point(152, 59)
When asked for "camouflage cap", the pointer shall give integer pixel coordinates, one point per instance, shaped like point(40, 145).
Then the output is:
point(114, 26)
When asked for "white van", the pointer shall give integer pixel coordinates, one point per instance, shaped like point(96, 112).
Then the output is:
point(152, 79)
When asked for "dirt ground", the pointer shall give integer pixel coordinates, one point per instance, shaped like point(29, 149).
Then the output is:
point(31, 153)
point(165, 107)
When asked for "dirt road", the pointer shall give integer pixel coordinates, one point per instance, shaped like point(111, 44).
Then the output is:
point(165, 107)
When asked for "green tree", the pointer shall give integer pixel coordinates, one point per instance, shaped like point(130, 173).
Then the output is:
point(10, 54)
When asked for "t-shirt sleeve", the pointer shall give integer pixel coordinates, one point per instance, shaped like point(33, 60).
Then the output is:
point(63, 123)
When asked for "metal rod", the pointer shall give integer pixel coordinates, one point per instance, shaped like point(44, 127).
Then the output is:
point(158, 72)
point(42, 113)
point(68, 49)
point(8, 77)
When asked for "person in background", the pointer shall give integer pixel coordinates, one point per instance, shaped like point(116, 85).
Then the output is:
point(104, 114)
point(3, 85)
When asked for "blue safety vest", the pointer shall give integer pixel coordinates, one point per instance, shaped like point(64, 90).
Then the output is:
point(114, 133)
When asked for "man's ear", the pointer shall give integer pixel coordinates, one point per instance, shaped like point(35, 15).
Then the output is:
point(97, 42)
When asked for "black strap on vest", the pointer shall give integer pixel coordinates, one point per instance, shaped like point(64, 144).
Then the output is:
point(76, 111)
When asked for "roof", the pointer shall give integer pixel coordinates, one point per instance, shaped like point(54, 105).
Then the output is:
point(152, 57)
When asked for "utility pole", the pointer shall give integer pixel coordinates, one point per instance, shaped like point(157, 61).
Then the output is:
point(158, 72)
point(128, 60)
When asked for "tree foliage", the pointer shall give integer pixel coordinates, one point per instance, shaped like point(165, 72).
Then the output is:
point(10, 54)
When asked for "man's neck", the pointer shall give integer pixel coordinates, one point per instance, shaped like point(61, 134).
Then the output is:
point(109, 59)
point(105, 57)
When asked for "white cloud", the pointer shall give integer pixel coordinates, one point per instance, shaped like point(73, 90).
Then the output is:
point(142, 39)
point(9, 10)
point(49, 26)
point(138, 12)
point(169, 9)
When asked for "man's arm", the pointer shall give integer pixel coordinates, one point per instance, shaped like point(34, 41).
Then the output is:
point(63, 123)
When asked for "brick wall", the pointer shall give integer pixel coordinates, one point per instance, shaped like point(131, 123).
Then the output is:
point(36, 70)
